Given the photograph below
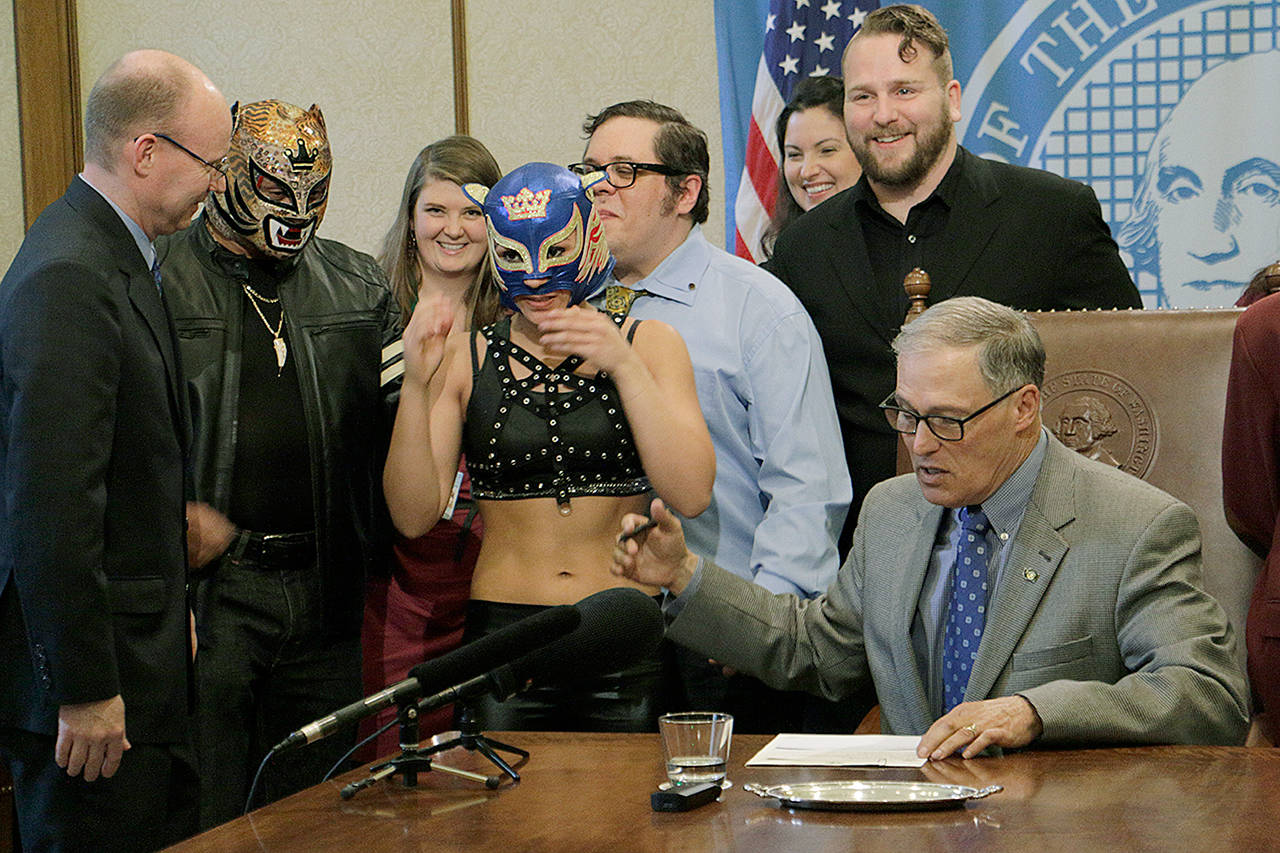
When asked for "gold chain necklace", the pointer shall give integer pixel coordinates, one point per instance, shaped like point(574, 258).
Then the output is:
point(282, 351)
point(256, 295)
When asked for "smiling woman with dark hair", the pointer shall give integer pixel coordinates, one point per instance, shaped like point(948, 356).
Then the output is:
point(817, 161)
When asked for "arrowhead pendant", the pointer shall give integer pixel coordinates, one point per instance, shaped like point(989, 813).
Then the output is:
point(282, 352)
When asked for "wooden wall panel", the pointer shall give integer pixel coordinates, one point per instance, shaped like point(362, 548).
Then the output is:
point(48, 99)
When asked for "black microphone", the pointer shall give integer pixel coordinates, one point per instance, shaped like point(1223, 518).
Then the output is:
point(463, 662)
point(619, 627)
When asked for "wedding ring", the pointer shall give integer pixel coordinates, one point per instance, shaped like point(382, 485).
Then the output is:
point(972, 729)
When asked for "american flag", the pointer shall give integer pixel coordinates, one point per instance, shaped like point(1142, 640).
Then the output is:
point(802, 38)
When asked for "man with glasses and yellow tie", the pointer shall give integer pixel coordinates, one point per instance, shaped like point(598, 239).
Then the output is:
point(781, 490)
point(1009, 593)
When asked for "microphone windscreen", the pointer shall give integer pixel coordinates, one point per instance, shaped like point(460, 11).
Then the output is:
point(620, 627)
point(493, 650)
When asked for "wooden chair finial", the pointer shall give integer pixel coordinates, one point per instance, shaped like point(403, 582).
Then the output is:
point(917, 285)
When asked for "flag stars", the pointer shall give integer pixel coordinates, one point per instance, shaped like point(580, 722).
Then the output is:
point(825, 42)
point(857, 17)
point(790, 65)
point(831, 10)
point(770, 23)
point(820, 71)
point(796, 31)
point(800, 4)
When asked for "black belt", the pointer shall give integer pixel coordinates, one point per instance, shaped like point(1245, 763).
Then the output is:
point(273, 550)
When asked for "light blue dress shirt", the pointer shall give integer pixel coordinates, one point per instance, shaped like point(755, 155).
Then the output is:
point(782, 487)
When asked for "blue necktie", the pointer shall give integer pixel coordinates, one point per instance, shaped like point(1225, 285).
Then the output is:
point(155, 273)
point(967, 612)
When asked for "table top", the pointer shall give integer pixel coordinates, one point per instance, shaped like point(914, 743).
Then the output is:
point(589, 792)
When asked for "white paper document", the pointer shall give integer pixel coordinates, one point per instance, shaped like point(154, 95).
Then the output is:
point(794, 750)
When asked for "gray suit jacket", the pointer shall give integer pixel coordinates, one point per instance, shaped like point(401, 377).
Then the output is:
point(1100, 618)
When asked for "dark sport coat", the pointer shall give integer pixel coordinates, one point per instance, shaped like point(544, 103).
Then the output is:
point(92, 442)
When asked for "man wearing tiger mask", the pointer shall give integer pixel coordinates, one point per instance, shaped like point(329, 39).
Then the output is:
point(281, 335)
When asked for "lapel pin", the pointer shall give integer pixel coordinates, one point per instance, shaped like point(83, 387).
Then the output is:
point(1030, 574)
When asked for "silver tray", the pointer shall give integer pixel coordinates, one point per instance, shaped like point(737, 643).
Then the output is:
point(852, 796)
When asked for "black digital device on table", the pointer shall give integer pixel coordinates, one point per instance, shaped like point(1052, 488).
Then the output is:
point(682, 798)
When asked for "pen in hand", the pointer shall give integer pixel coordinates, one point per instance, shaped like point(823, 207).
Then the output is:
point(648, 525)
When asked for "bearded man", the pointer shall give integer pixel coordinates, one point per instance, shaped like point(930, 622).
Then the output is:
point(281, 336)
point(1017, 236)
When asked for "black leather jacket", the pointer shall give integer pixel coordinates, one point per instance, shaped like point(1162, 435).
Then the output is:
point(342, 314)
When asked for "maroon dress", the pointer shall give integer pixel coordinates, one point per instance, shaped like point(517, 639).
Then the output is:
point(418, 612)
point(1251, 487)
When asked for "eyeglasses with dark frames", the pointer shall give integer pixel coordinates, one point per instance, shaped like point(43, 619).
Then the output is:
point(945, 427)
point(622, 173)
point(219, 166)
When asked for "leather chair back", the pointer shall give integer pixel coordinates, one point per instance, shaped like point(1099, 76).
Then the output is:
point(1146, 391)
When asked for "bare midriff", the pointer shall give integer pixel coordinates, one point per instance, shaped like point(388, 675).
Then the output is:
point(533, 554)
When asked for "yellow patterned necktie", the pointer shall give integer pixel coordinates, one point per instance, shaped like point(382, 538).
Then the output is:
point(618, 298)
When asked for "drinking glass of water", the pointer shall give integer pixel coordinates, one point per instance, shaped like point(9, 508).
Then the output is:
point(696, 746)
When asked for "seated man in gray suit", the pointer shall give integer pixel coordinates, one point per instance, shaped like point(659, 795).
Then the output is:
point(1010, 592)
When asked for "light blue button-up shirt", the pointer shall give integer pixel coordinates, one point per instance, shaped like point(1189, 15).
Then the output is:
point(782, 486)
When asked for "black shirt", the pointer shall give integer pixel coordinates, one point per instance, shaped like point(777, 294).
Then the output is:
point(895, 248)
point(271, 484)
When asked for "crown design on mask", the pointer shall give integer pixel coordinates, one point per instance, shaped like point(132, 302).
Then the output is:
point(302, 160)
point(527, 204)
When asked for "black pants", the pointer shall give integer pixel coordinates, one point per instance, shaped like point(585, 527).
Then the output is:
point(149, 803)
point(629, 700)
point(265, 667)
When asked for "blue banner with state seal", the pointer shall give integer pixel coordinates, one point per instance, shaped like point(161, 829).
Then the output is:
point(1166, 108)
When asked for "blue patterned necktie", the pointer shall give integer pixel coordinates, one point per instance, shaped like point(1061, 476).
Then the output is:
point(967, 612)
point(155, 273)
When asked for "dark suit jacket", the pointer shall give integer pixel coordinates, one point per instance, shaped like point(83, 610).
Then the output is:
point(1021, 237)
point(1100, 617)
point(92, 438)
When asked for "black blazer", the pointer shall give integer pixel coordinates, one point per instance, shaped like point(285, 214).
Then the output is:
point(1022, 237)
point(92, 441)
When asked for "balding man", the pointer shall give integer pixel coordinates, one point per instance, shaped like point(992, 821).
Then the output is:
point(95, 680)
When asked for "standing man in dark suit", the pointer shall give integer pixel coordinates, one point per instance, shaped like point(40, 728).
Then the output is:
point(1018, 236)
point(95, 657)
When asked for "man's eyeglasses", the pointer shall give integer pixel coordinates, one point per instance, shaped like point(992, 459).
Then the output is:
point(944, 427)
point(219, 166)
point(622, 173)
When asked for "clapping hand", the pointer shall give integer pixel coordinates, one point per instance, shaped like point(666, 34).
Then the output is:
point(424, 339)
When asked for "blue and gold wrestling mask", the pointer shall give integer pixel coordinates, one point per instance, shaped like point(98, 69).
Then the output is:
point(543, 225)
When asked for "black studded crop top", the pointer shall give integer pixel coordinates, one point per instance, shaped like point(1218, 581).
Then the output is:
point(552, 433)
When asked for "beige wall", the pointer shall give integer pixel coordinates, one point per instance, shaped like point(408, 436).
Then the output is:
point(533, 80)
point(11, 219)
point(382, 73)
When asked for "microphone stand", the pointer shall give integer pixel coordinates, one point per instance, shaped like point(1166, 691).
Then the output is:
point(414, 759)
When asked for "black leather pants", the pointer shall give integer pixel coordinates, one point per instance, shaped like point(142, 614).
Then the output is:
point(629, 700)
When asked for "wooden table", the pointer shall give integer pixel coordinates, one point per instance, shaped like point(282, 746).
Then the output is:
point(590, 792)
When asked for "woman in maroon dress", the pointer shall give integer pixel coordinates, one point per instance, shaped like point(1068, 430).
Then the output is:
point(437, 246)
point(1251, 490)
